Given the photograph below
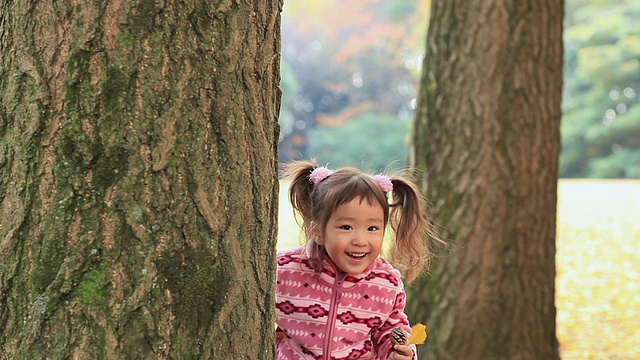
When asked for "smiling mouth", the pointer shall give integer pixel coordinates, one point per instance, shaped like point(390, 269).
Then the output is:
point(357, 255)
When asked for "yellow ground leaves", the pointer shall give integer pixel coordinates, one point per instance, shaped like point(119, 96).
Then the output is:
point(598, 270)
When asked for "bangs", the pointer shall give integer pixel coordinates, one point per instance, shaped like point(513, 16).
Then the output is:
point(344, 188)
point(360, 188)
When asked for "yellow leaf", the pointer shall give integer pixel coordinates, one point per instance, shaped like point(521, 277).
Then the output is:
point(418, 334)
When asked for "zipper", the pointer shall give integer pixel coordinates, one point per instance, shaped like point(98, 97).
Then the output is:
point(333, 309)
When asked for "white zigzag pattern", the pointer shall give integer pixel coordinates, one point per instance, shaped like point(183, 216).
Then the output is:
point(296, 333)
point(355, 295)
point(383, 300)
point(306, 322)
point(379, 299)
point(299, 284)
point(291, 283)
point(301, 324)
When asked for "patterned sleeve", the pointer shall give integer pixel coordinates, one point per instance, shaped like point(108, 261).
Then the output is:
point(397, 318)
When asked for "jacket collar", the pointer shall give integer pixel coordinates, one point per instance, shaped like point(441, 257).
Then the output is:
point(329, 272)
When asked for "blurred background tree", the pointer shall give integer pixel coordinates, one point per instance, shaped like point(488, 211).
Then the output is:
point(350, 72)
point(601, 121)
point(368, 141)
point(356, 67)
point(486, 139)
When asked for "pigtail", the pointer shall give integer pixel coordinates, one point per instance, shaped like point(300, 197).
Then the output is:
point(412, 229)
point(300, 188)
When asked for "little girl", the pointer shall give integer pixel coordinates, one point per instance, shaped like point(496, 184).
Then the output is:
point(336, 297)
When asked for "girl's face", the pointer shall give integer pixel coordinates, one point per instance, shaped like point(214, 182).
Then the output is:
point(353, 236)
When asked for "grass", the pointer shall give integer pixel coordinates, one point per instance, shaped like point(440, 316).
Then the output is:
point(598, 267)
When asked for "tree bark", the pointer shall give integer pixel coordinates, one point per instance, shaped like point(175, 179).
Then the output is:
point(138, 178)
point(487, 139)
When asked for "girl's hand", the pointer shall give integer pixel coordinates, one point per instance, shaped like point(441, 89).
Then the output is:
point(402, 352)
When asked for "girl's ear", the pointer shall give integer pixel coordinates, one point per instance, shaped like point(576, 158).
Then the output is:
point(316, 234)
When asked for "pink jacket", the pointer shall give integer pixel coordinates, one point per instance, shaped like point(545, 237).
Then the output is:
point(348, 317)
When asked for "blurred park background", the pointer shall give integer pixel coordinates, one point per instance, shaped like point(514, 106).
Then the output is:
point(350, 73)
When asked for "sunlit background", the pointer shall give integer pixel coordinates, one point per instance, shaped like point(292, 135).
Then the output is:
point(350, 74)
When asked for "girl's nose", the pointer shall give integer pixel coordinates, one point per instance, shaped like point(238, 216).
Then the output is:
point(358, 239)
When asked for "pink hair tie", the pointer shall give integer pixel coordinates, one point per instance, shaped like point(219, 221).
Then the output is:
point(384, 182)
point(320, 173)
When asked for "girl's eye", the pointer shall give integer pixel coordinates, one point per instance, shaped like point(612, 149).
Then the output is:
point(373, 228)
point(346, 227)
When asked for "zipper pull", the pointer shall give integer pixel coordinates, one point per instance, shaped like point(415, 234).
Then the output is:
point(339, 289)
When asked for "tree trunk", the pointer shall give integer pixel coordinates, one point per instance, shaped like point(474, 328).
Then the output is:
point(487, 138)
point(138, 179)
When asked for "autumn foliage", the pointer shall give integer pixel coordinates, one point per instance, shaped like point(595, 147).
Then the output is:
point(344, 59)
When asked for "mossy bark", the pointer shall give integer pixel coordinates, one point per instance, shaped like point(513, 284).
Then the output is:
point(487, 139)
point(138, 179)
